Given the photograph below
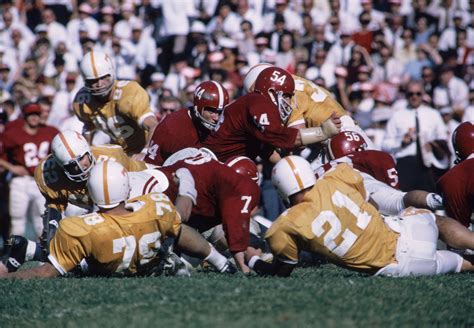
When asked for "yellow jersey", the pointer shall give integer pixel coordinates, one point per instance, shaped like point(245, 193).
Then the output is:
point(312, 105)
point(335, 220)
point(116, 244)
point(59, 190)
point(121, 117)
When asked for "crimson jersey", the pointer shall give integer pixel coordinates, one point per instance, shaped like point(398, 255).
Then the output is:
point(247, 127)
point(457, 188)
point(224, 196)
point(21, 148)
point(375, 163)
point(177, 131)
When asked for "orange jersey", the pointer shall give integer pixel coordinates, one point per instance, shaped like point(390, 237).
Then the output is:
point(59, 190)
point(123, 244)
point(121, 117)
point(312, 105)
point(335, 220)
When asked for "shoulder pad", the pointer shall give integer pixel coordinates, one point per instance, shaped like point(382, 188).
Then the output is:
point(77, 226)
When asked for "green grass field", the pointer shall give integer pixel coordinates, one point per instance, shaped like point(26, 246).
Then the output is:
point(311, 297)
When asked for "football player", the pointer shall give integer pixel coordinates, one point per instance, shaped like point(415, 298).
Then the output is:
point(457, 185)
point(379, 173)
point(61, 178)
point(121, 238)
point(119, 108)
point(253, 125)
point(312, 105)
point(332, 217)
point(187, 128)
point(223, 196)
point(23, 145)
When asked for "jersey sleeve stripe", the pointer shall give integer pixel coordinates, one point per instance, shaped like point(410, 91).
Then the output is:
point(144, 117)
point(56, 264)
point(295, 173)
point(297, 122)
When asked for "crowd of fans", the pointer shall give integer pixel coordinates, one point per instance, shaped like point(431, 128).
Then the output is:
point(365, 52)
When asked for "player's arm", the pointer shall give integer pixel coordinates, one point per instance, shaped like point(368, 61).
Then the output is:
point(43, 271)
point(328, 128)
point(187, 193)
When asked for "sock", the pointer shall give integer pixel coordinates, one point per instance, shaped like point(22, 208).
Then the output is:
point(216, 259)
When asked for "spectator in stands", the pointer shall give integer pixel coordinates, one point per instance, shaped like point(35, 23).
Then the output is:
point(414, 135)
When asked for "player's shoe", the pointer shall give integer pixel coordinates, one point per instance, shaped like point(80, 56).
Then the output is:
point(16, 247)
point(229, 268)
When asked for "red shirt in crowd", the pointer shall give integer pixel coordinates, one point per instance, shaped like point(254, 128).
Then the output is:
point(20, 148)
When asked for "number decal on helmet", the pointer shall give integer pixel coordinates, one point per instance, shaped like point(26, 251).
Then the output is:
point(278, 78)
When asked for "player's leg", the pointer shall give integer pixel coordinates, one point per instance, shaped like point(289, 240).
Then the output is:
point(37, 207)
point(416, 248)
point(192, 243)
point(454, 233)
point(18, 204)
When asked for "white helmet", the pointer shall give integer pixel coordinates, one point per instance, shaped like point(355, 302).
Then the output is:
point(291, 175)
point(95, 65)
point(108, 184)
point(252, 75)
point(69, 148)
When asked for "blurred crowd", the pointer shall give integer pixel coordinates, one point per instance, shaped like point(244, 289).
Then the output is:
point(365, 52)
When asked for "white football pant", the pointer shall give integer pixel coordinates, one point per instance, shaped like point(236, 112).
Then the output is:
point(23, 193)
point(416, 252)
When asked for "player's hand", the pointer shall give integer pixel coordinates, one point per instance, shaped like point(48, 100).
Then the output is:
point(139, 156)
point(19, 170)
point(250, 252)
point(331, 126)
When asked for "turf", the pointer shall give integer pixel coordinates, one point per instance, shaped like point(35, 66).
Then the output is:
point(326, 296)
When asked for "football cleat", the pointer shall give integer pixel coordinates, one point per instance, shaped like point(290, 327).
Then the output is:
point(16, 247)
point(229, 268)
point(174, 266)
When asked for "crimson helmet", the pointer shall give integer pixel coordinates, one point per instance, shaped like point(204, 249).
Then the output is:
point(209, 95)
point(463, 141)
point(345, 143)
point(277, 83)
point(245, 166)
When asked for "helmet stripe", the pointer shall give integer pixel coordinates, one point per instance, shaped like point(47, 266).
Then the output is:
point(105, 184)
point(221, 94)
point(235, 160)
point(295, 173)
point(94, 69)
point(66, 145)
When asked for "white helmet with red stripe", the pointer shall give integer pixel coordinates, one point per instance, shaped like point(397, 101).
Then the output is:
point(69, 149)
point(108, 184)
point(96, 65)
point(292, 174)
